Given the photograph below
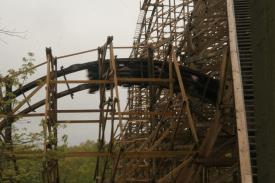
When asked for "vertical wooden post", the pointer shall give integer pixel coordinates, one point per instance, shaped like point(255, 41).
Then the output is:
point(244, 156)
point(171, 80)
point(150, 71)
point(50, 166)
point(113, 66)
point(45, 121)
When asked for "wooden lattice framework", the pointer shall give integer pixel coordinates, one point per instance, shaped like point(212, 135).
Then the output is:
point(164, 134)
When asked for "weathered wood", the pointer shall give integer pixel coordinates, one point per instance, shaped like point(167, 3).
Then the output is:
point(185, 99)
point(244, 156)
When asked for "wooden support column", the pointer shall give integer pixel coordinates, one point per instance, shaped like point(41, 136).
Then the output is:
point(115, 78)
point(244, 156)
point(150, 71)
point(116, 100)
point(99, 176)
point(50, 165)
point(223, 106)
point(171, 77)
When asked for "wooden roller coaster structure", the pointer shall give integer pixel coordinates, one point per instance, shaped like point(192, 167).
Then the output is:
point(187, 117)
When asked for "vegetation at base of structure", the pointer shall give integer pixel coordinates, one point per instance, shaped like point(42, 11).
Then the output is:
point(27, 165)
point(12, 80)
point(71, 170)
point(77, 169)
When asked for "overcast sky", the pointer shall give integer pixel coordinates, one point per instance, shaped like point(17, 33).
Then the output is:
point(67, 26)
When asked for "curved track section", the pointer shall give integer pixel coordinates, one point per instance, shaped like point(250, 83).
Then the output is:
point(198, 85)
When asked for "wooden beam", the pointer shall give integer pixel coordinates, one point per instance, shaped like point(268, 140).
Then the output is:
point(151, 113)
point(113, 68)
point(130, 154)
point(77, 53)
point(78, 121)
point(244, 156)
point(171, 176)
point(27, 98)
point(120, 80)
point(185, 99)
point(81, 111)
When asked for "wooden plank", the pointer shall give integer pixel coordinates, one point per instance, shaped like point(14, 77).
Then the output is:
point(47, 100)
point(128, 80)
point(130, 154)
point(77, 53)
point(151, 113)
point(113, 65)
point(27, 98)
point(81, 110)
point(185, 99)
point(214, 129)
point(22, 103)
point(171, 79)
point(78, 121)
point(245, 163)
point(174, 173)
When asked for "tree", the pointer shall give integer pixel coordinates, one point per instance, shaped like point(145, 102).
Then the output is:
point(13, 78)
point(77, 169)
point(29, 170)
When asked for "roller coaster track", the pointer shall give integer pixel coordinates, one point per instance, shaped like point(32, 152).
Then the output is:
point(190, 104)
point(195, 82)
